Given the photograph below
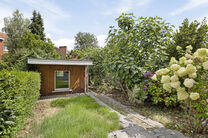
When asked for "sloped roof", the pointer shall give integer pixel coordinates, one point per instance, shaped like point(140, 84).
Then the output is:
point(59, 62)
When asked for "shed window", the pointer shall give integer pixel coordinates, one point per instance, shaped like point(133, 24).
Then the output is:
point(61, 79)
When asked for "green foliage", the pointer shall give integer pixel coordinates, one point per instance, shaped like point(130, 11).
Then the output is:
point(159, 96)
point(15, 27)
point(29, 46)
point(18, 60)
point(34, 42)
point(84, 39)
point(36, 26)
point(138, 94)
point(97, 72)
point(189, 33)
point(18, 93)
point(80, 117)
point(135, 46)
point(1, 66)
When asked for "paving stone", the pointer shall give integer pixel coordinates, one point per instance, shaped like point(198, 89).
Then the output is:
point(132, 129)
point(118, 134)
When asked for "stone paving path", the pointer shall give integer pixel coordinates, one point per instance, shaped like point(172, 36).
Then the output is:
point(52, 97)
point(134, 124)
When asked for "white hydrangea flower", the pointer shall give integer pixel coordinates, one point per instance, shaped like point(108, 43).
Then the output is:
point(189, 61)
point(174, 78)
point(189, 47)
point(182, 95)
point(182, 60)
point(193, 75)
point(167, 86)
point(173, 61)
point(194, 96)
point(188, 56)
point(165, 79)
point(200, 53)
point(162, 71)
point(154, 77)
point(205, 65)
point(198, 67)
point(181, 89)
point(181, 72)
point(175, 67)
point(190, 69)
point(176, 84)
point(189, 82)
point(178, 48)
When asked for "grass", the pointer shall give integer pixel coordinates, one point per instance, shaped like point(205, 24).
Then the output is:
point(79, 117)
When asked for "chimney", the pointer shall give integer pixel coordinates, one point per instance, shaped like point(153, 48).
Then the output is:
point(74, 57)
point(62, 50)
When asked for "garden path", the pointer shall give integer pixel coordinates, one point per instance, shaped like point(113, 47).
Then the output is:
point(134, 124)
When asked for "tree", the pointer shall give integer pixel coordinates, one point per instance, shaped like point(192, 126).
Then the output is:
point(30, 46)
point(136, 46)
point(84, 39)
point(36, 26)
point(15, 27)
point(194, 34)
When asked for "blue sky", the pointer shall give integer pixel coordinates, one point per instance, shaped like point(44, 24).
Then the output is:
point(63, 19)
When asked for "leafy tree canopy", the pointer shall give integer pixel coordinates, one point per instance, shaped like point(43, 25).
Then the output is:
point(15, 27)
point(84, 39)
point(30, 46)
point(137, 45)
point(189, 33)
point(36, 26)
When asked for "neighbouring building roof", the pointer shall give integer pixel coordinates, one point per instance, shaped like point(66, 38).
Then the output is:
point(59, 62)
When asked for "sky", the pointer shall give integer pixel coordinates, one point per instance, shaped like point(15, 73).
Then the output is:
point(63, 19)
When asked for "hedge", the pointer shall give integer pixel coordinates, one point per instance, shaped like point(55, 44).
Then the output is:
point(18, 93)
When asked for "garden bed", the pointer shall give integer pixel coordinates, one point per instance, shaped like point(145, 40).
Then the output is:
point(172, 118)
point(42, 109)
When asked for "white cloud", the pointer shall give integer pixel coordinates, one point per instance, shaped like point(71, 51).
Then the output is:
point(41, 5)
point(48, 35)
point(70, 42)
point(125, 6)
point(101, 40)
point(51, 12)
point(189, 6)
point(4, 12)
point(65, 42)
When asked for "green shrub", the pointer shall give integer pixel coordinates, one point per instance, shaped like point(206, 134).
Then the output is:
point(149, 90)
point(159, 96)
point(18, 93)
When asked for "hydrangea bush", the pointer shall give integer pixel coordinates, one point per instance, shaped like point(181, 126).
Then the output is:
point(188, 77)
point(157, 94)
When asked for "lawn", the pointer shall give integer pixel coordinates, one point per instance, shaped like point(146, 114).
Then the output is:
point(78, 117)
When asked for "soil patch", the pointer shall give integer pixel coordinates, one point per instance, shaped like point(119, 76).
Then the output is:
point(41, 110)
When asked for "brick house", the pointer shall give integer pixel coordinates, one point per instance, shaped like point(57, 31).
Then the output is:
point(62, 50)
point(3, 48)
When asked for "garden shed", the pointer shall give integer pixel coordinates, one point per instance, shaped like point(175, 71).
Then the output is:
point(61, 76)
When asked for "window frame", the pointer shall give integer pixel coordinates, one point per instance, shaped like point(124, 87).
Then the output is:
point(57, 89)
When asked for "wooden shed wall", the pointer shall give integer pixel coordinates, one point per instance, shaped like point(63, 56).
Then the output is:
point(77, 74)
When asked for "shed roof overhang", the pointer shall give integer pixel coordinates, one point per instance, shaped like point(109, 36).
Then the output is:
point(59, 62)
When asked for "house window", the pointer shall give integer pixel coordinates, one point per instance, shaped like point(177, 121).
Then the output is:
point(62, 79)
point(5, 48)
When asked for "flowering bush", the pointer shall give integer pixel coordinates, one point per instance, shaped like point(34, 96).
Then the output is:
point(155, 92)
point(188, 77)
